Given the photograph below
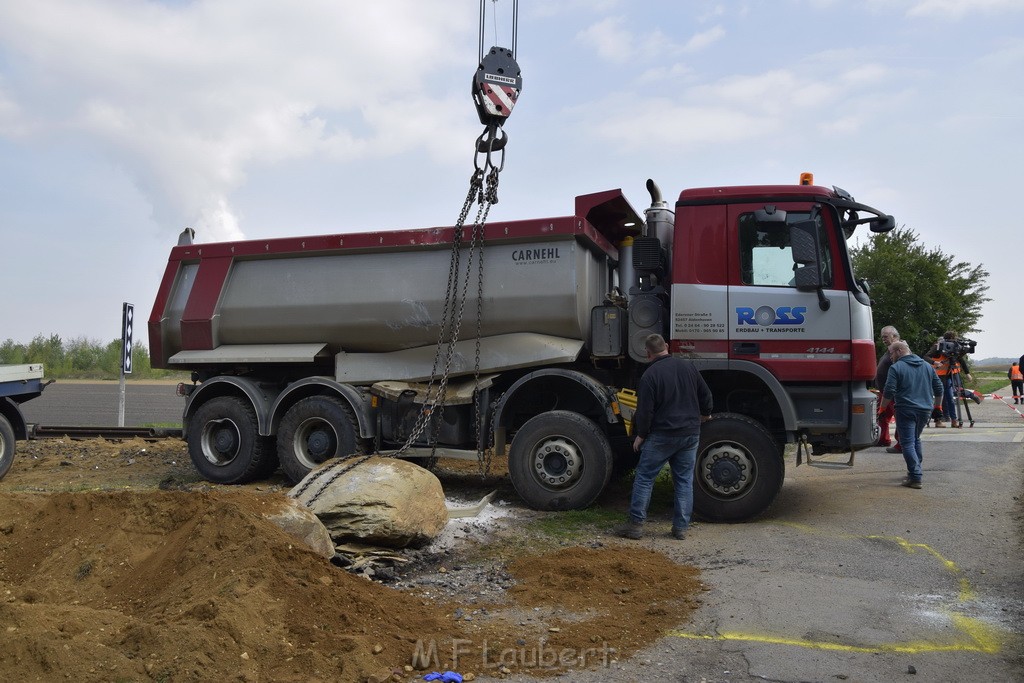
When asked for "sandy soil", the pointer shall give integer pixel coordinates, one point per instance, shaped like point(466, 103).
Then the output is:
point(117, 563)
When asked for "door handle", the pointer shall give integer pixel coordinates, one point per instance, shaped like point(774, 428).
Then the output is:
point(746, 348)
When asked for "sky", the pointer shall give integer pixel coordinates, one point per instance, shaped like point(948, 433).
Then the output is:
point(124, 121)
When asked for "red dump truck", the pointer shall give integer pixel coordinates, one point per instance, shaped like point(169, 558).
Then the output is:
point(306, 348)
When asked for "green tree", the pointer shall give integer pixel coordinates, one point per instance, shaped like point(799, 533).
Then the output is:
point(110, 359)
point(921, 291)
point(83, 355)
point(12, 353)
point(81, 358)
point(49, 352)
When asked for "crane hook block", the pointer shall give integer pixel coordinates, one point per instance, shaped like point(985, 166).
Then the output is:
point(496, 86)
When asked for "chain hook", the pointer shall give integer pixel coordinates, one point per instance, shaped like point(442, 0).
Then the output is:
point(489, 142)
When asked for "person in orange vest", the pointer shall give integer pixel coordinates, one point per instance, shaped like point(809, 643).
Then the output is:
point(945, 368)
point(1017, 382)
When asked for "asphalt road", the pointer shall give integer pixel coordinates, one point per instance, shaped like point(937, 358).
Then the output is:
point(851, 577)
point(95, 404)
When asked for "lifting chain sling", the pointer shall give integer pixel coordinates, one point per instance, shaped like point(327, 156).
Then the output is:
point(496, 87)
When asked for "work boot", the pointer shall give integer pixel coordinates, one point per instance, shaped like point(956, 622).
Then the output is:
point(679, 533)
point(894, 449)
point(910, 483)
point(632, 530)
point(940, 423)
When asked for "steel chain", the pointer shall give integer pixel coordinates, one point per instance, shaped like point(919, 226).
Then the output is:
point(483, 188)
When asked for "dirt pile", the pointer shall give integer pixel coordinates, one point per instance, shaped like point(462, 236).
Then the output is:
point(196, 585)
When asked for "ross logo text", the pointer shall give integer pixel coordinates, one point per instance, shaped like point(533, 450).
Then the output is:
point(766, 316)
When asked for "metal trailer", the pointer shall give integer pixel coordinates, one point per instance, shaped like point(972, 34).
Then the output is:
point(18, 383)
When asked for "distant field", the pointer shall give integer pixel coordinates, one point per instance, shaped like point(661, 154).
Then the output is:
point(988, 379)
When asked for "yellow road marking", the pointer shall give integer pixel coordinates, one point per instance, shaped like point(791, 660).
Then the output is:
point(980, 636)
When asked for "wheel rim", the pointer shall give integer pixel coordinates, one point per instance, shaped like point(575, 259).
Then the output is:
point(556, 463)
point(221, 441)
point(725, 470)
point(315, 441)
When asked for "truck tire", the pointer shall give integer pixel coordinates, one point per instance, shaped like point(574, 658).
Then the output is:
point(559, 461)
point(224, 442)
point(314, 430)
point(6, 446)
point(739, 469)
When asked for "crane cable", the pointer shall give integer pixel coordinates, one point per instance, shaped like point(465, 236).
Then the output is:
point(496, 87)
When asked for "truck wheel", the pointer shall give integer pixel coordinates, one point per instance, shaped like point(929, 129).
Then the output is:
point(224, 442)
point(6, 446)
point(739, 469)
point(559, 461)
point(314, 430)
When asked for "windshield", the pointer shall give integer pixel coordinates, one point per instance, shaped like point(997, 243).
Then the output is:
point(766, 256)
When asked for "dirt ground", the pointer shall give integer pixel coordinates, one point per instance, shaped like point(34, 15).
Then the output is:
point(117, 563)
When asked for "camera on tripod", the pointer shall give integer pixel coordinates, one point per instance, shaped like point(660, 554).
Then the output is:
point(957, 348)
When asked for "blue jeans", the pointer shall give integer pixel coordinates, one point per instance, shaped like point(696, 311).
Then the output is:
point(948, 400)
point(909, 425)
point(680, 452)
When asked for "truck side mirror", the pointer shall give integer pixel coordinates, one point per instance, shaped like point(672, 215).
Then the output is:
point(884, 224)
point(803, 240)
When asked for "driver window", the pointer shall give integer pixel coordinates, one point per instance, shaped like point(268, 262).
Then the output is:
point(766, 258)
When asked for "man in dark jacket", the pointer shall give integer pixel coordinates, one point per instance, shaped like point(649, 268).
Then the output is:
point(915, 387)
point(672, 402)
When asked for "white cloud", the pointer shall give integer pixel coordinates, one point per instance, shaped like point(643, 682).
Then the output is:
point(664, 75)
point(704, 39)
point(614, 42)
point(611, 40)
point(552, 8)
point(845, 125)
point(865, 74)
point(12, 122)
point(189, 98)
point(957, 9)
point(671, 125)
point(772, 106)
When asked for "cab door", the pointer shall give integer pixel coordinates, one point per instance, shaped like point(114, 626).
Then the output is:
point(796, 331)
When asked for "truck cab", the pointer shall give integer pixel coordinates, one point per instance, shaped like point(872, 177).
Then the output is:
point(757, 289)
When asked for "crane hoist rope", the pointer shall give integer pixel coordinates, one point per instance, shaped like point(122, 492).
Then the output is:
point(497, 83)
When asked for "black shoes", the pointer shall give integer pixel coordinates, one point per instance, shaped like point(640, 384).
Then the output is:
point(635, 531)
point(631, 530)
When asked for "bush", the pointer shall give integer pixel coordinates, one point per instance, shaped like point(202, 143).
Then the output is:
point(81, 358)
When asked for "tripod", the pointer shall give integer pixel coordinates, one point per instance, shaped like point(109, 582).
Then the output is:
point(953, 378)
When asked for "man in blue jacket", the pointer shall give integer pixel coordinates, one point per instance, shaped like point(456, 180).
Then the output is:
point(915, 387)
point(672, 402)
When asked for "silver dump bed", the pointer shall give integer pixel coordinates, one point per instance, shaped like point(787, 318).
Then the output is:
point(374, 301)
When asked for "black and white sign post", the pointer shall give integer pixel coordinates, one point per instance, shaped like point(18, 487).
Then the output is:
point(127, 323)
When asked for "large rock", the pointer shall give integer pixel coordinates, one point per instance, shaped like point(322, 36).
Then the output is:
point(302, 524)
point(382, 501)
